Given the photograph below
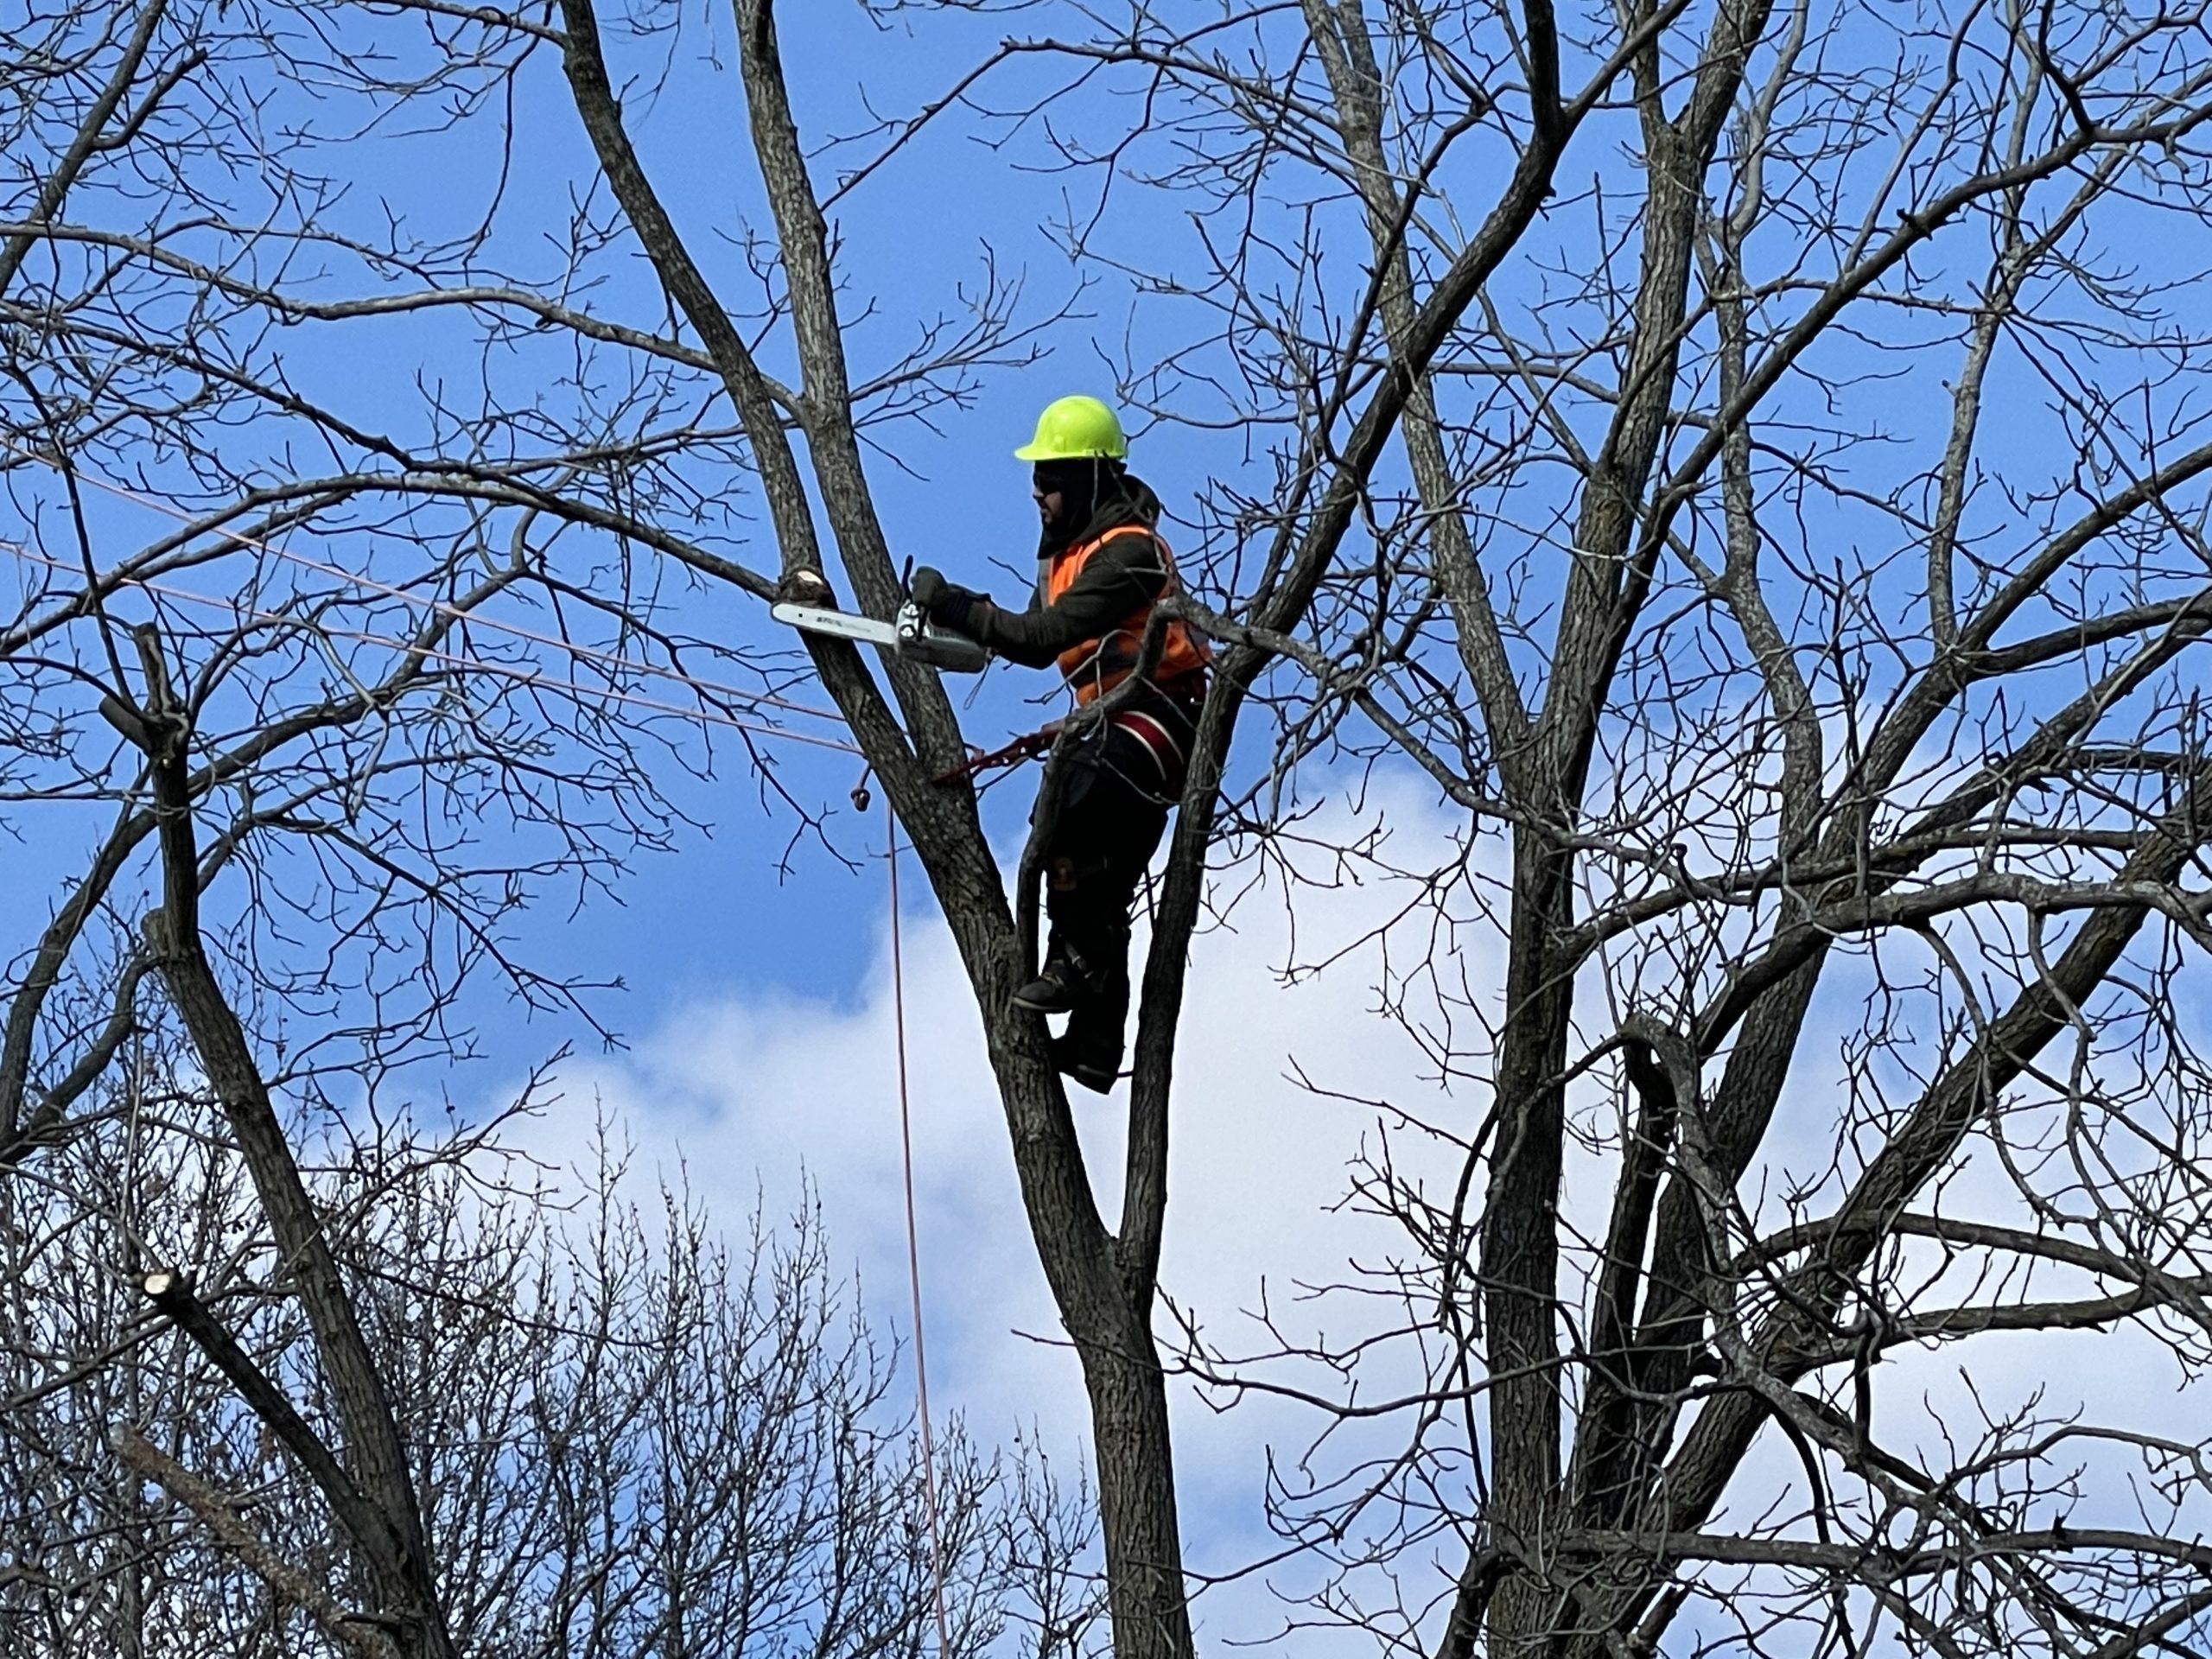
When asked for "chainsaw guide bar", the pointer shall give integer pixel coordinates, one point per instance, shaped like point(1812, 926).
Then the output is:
point(911, 637)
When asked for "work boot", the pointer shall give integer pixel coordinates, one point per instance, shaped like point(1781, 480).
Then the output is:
point(1088, 1063)
point(1059, 987)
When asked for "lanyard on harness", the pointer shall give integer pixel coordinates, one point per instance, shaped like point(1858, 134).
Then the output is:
point(1025, 747)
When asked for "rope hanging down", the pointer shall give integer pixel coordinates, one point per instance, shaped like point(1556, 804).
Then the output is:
point(913, 1239)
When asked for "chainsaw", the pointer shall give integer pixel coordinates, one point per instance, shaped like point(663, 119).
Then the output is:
point(912, 636)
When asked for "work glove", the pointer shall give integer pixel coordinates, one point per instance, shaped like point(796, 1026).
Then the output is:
point(946, 603)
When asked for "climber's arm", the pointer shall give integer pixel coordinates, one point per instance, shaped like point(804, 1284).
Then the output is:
point(1120, 579)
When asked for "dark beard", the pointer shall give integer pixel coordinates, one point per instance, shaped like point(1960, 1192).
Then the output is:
point(1083, 487)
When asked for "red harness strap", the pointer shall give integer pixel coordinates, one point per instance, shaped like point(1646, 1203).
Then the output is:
point(1158, 742)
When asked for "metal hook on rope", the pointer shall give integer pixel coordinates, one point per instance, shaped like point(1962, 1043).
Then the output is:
point(1025, 747)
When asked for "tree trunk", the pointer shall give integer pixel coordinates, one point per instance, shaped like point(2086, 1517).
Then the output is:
point(1136, 1493)
point(392, 1550)
point(1520, 1248)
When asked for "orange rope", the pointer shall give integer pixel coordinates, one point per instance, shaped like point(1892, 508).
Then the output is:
point(913, 1242)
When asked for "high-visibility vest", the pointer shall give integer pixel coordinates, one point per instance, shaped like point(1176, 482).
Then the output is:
point(1094, 667)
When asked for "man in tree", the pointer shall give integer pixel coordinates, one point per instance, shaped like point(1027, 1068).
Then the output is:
point(1101, 568)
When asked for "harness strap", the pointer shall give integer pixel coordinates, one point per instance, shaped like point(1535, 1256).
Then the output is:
point(1158, 742)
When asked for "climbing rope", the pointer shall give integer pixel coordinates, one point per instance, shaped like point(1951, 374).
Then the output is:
point(914, 1236)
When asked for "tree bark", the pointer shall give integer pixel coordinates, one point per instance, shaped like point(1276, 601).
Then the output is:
point(1136, 1491)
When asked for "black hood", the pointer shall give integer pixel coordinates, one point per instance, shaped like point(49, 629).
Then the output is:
point(1130, 501)
point(1098, 495)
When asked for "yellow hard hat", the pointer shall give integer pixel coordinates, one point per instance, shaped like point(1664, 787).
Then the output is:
point(1076, 429)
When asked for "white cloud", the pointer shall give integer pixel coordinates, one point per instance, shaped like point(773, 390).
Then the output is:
point(751, 1096)
point(748, 1092)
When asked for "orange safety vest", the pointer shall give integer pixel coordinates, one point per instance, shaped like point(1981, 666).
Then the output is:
point(1094, 667)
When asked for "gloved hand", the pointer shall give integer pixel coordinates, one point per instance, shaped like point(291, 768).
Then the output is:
point(945, 603)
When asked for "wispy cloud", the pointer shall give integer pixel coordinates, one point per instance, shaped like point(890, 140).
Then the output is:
point(753, 1097)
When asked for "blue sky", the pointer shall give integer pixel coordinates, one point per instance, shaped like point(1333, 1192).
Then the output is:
point(912, 239)
point(755, 999)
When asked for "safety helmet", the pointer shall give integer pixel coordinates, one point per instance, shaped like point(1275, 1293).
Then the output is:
point(1074, 429)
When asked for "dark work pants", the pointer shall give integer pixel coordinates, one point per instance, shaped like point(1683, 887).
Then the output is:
point(1112, 810)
